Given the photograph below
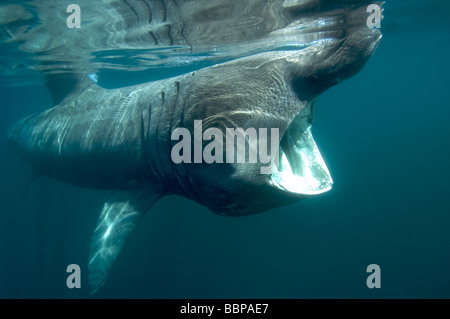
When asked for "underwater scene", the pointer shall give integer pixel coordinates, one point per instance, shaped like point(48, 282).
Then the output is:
point(225, 149)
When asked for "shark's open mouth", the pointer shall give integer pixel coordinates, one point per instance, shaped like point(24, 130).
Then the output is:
point(301, 168)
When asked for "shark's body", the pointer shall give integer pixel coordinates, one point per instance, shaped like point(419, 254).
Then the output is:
point(121, 139)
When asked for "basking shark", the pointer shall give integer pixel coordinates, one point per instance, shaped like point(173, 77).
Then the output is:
point(122, 139)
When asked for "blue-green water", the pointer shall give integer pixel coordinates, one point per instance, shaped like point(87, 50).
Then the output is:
point(385, 137)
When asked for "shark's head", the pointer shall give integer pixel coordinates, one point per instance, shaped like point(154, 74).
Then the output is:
point(271, 93)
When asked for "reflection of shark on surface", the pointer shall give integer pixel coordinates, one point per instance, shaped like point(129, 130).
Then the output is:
point(120, 139)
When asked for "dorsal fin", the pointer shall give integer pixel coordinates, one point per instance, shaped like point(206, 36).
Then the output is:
point(63, 85)
point(60, 85)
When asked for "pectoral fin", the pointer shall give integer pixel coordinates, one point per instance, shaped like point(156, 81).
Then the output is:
point(118, 219)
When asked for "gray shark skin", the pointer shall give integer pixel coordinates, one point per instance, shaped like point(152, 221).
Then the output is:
point(120, 139)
